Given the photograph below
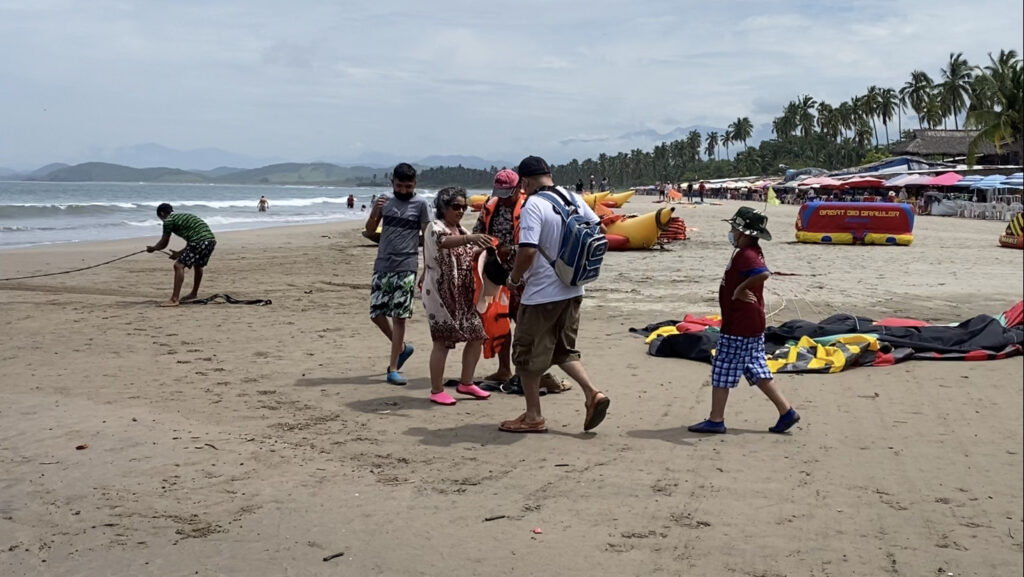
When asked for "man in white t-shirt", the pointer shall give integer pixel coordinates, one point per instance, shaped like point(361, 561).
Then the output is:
point(549, 313)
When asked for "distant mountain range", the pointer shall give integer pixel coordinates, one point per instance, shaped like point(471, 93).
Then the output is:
point(217, 165)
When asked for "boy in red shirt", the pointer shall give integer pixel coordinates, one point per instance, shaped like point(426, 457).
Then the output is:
point(741, 345)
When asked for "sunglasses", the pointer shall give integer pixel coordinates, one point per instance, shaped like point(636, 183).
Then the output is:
point(461, 207)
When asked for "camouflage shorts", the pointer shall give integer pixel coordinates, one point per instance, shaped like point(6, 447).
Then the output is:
point(391, 294)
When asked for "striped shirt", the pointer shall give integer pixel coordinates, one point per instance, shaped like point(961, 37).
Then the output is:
point(188, 226)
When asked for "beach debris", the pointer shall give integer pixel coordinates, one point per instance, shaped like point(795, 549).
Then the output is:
point(494, 518)
point(537, 531)
point(561, 464)
point(334, 556)
point(82, 447)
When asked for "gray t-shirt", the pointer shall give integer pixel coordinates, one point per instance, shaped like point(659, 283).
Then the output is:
point(401, 222)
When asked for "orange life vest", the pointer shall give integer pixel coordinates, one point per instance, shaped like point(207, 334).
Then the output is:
point(487, 212)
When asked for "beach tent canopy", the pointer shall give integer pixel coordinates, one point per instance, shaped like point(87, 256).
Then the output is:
point(863, 183)
point(948, 179)
point(822, 181)
point(967, 181)
point(990, 181)
point(908, 180)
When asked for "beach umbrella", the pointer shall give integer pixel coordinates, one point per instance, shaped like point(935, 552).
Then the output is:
point(990, 181)
point(863, 182)
point(967, 181)
point(947, 179)
point(907, 180)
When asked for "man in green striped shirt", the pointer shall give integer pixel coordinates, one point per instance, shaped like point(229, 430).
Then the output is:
point(199, 245)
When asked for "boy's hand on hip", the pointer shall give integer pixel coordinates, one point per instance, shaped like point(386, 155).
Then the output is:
point(744, 295)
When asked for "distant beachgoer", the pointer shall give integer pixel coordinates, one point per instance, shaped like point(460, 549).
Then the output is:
point(364, 208)
point(701, 188)
point(450, 258)
point(263, 205)
point(402, 218)
point(604, 184)
point(199, 245)
point(592, 183)
point(579, 186)
point(740, 352)
point(661, 191)
point(351, 201)
point(689, 192)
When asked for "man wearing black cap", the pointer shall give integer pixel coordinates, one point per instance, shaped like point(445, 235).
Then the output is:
point(549, 312)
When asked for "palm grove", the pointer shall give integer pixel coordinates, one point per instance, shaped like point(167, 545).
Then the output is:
point(815, 133)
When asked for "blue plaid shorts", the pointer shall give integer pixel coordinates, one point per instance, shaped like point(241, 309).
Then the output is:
point(739, 357)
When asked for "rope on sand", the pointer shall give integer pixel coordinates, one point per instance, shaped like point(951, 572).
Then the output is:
point(75, 270)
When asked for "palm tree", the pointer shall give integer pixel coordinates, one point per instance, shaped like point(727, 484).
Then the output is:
point(955, 86)
point(845, 116)
point(918, 88)
point(872, 102)
point(888, 102)
point(726, 139)
point(711, 148)
point(693, 140)
point(933, 110)
point(1005, 121)
point(828, 120)
point(805, 119)
point(740, 130)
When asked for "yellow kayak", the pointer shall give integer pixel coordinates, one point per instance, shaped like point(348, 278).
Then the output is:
point(642, 231)
point(619, 199)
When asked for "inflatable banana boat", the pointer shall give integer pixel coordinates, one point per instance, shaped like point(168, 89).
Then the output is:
point(476, 202)
point(1013, 237)
point(640, 231)
point(618, 199)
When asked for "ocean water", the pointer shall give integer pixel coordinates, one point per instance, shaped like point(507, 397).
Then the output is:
point(34, 213)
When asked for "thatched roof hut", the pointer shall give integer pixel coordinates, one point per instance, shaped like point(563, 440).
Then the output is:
point(941, 143)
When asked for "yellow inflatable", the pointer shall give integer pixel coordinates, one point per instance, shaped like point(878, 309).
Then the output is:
point(892, 239)
point(619, 199)
point(593, 199)
point(825, 237)
point(847, 238)
point(476, 202)
point(642, 231)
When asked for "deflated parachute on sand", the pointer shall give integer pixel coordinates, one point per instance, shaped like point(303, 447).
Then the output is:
point(842, 341)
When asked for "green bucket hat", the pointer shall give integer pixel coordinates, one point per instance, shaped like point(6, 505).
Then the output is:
point(751, 221)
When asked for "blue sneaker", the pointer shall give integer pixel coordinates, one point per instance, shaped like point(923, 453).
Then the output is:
point(786, 421)
point(405, 356)
point(707, 426)
point(396, 378)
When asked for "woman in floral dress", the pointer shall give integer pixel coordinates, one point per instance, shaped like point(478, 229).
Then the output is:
point(450, 255)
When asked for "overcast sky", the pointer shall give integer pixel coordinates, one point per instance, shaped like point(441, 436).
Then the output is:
point(309, 80)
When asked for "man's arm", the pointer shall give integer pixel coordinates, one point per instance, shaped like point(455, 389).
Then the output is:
point(374, 219)
point(160, 245)
point(524, 258)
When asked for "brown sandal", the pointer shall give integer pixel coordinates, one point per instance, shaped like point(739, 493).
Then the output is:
point(597, 408)
point(521, 425)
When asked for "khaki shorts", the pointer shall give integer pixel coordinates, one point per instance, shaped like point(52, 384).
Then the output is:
point(546, 335)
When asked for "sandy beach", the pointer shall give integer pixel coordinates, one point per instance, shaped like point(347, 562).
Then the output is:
point(242, 440)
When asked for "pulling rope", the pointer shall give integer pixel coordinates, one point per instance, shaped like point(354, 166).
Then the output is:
point(75, 270)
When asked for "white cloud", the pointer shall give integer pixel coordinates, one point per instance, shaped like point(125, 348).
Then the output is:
point(316, 79)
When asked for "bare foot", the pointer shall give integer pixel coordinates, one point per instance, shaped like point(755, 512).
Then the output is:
point(171, 303)
point(498, 377)
point(189, 297)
